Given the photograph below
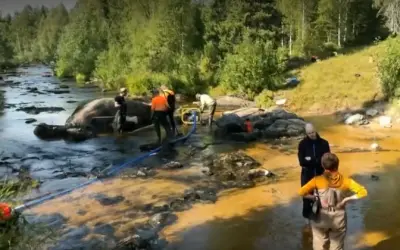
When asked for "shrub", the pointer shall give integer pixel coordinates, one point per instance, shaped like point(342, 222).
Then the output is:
point(254, 66)
point(265, 99)
point(389, 69)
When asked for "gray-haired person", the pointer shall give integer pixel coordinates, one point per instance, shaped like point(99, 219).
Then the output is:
point(310, 151)
point(210, 103)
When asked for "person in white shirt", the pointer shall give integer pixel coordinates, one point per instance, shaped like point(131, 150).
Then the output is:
point(210, 103)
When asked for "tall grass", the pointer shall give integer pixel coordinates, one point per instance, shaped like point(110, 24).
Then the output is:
point(17, 233)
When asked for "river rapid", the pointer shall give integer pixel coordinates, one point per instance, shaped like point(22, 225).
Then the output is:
point(267, 216)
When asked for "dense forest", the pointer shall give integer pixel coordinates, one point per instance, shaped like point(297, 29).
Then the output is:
point(235, 46)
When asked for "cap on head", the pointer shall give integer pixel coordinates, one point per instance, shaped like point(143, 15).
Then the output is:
point(198, 96)
point(123, 90)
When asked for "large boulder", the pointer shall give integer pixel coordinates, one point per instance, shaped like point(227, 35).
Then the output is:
point(232, 101)
point(99, 114)
point(275, 124)
point(231, 123)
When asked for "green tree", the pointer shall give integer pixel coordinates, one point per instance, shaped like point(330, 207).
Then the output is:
point(49, 32)
point(83, 39)
point(24, 26)
point(6, 51)
point(254, 66)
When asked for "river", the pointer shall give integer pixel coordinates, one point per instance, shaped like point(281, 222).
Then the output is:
point(264, 217)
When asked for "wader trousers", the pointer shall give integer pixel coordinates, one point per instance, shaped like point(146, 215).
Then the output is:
point(330, 230)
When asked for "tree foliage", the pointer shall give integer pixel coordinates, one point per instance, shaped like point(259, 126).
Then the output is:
point(389, 69)
point(239, 45)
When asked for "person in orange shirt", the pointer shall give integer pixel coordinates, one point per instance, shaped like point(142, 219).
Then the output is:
point(249, 126)
point(160, 108)
point(170, 95)
point(329, 221)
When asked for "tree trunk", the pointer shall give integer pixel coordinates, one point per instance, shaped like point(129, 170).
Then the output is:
point(290, 40)
point(345, 27)
point(303, 22)
point(339, 36)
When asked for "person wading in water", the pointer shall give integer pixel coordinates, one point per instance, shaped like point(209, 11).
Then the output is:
point(170, 96)
point(310, 151)
point(120, 103)
point(159, 108)
point(210, 103)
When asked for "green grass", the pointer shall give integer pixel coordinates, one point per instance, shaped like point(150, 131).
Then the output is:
point(18, 234)
point(332, 84)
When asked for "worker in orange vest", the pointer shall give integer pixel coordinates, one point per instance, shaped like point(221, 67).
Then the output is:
point(170, 95)
point(8, 218)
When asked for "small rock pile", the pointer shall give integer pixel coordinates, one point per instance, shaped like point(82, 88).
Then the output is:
point(236, 170)
point(364, 117)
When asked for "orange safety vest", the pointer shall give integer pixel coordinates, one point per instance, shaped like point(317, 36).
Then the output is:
point(249, 126)
point(5, 212)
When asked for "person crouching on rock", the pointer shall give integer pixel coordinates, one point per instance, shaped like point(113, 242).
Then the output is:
point(210, 103)
point(120, 103)
point(310, 151)
point(159, 109)
point(170, 95)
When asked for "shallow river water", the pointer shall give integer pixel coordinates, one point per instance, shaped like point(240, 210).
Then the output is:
point(265, 217)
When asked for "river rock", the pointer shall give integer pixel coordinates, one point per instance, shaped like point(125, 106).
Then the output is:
point(106, 200)
point(30, 120)
point(259, 172)
point(356, 119)
point(371, 112)
point(173, 165)
point(274, 124)
point(207, 195)
point(37, 110)
point(375, 147)
point(162, 219)
point(143, 239)
point(231, 123)
point(385, 121)
point(232, 167)
point(58, 91)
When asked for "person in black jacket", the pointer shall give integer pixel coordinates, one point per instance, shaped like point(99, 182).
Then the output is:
point(120, 103)
point(311, 149)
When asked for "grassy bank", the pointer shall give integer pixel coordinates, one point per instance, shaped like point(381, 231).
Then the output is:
point(17, 233)
point(346, 81)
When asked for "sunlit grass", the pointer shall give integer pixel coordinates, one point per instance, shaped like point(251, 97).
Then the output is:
point(344, 81)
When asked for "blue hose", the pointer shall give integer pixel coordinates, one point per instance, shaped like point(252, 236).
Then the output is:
point(113, 170)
